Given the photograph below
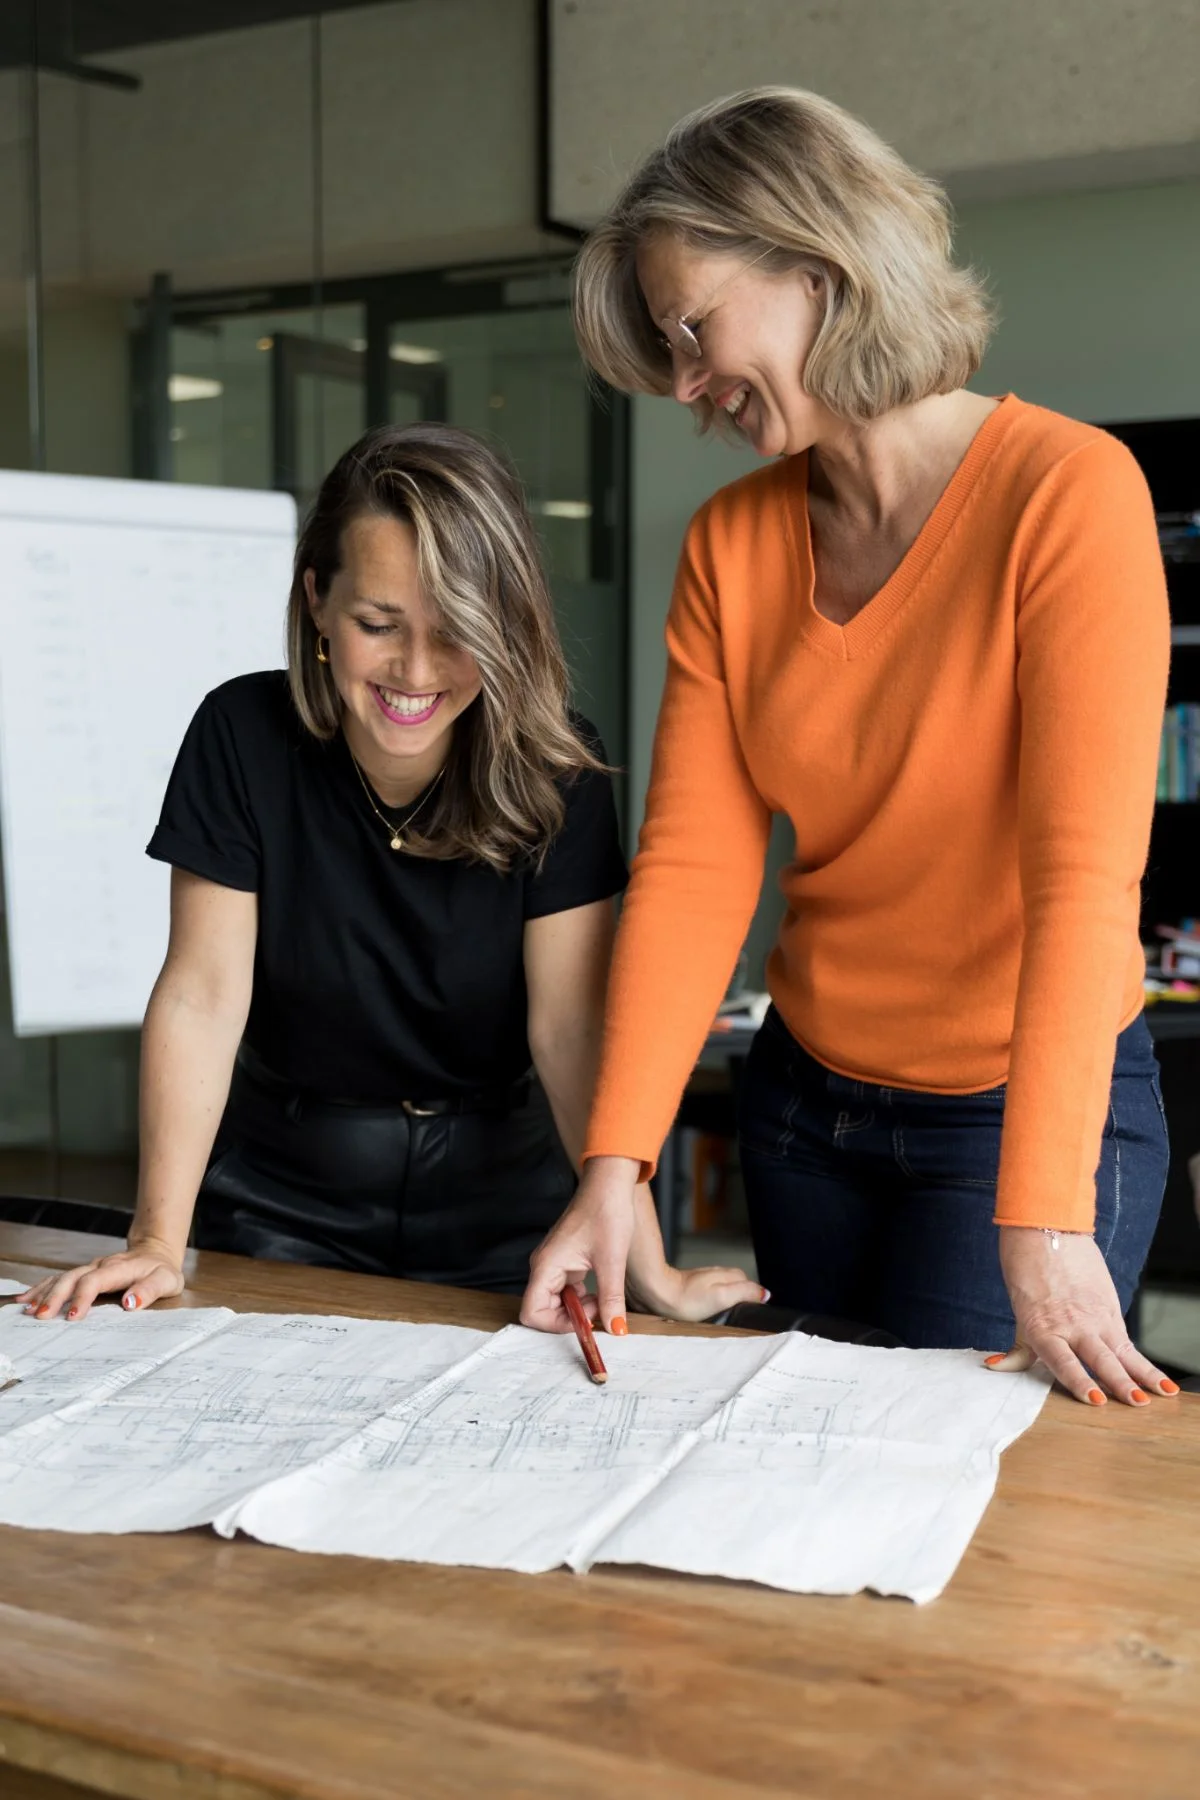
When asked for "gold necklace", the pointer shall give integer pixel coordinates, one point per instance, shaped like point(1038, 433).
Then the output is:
point(393, 831)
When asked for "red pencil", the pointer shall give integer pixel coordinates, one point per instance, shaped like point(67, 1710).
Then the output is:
point(583, 1332)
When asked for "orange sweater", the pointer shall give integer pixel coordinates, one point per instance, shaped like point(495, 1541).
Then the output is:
point(969, 766)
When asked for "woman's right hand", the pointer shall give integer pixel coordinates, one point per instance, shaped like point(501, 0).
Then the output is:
point(144, 1273)
point(593, 1236)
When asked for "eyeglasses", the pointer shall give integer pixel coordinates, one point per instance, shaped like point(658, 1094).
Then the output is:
point(674, 329)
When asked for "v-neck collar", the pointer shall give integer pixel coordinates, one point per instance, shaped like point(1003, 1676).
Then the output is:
point(858, 634)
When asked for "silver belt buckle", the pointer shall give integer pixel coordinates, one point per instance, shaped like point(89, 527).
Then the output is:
point(418, 1112)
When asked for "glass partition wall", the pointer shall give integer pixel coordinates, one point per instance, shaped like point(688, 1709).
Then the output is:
point(265, 390)
point(257, 387)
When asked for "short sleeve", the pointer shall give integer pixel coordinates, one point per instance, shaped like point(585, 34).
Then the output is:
point(585, 861)
point(207, 824)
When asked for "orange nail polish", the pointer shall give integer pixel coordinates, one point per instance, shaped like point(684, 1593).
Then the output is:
point(42, 1311)
point(1137, 1396)
point(766, 1295)
point(73, 1313)
point(619, 1327)
point(1095, 1397)
point(1167, 1386)
point(991, 1361)
point(129, 1302)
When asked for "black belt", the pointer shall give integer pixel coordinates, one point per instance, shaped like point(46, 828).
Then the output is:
point(495, 1102)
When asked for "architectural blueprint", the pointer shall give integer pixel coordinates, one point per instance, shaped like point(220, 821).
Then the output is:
point(157, 1428)
point(788, 1460)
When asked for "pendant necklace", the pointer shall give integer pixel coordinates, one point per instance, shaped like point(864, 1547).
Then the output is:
point(394, 832)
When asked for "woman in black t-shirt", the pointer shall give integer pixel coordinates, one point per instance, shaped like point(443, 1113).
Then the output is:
point(393, 872)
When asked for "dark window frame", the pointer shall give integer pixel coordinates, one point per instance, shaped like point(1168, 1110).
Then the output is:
point(455, 291)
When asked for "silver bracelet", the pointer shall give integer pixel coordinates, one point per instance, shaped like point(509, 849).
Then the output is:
point(1055, 1235)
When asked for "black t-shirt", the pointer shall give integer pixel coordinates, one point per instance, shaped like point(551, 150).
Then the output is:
point(377, 975)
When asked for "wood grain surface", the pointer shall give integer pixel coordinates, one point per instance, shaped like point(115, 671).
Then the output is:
point(1063, 1662)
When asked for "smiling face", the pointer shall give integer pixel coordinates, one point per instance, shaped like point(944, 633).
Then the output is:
point(755, 331)
point(402, 684)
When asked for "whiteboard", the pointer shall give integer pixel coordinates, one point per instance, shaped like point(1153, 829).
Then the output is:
point(122, 603)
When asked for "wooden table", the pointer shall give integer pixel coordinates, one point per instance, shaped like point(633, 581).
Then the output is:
point(1064, 1659)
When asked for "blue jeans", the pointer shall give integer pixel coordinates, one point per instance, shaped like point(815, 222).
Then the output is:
point(876, 1203)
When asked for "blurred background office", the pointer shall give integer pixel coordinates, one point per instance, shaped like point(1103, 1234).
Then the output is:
point(235, 232)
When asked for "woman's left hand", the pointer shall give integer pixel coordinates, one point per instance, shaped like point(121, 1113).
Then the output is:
point(654, 1285)
point(1069, 1317)
point(692, 1294)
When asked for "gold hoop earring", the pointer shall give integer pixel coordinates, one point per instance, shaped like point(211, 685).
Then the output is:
point(322, 654)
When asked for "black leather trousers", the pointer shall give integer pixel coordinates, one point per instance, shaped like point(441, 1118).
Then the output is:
point(460, 1199)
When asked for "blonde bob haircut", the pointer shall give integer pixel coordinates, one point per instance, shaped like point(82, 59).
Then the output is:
point(784, 175)
point(477, 554)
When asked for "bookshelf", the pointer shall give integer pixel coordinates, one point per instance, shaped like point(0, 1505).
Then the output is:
point(1169, 453)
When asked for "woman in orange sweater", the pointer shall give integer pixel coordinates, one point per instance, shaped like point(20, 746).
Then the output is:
point(933, 631)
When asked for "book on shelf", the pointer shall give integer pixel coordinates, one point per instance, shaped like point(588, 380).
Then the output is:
point(1179, 536)
point(1179, 754)
point(1179, 954)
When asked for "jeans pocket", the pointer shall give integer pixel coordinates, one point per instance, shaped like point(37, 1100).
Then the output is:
point(763, 1132)
point(954, 1144)
point(769, 1094)
point(847, 1123)
point(1131, 1176)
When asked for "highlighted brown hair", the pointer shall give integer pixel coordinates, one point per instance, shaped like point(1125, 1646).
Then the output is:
point(481, 569)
